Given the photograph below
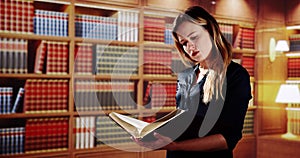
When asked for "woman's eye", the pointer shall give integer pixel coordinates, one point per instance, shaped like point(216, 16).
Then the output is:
point(184, 43)
point(194, 37)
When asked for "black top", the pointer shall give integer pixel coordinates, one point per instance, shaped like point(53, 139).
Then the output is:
point(220, 116)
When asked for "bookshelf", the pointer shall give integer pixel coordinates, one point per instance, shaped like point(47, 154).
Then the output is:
point(61, 54)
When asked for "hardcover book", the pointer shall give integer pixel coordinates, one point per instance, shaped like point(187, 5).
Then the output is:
point(141, 129)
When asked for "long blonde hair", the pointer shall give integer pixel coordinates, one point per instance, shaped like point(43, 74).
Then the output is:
point(220, 56)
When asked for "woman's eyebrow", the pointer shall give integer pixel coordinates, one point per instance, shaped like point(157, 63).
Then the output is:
point(191, 34)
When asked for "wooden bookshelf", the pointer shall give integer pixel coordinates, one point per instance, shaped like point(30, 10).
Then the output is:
point(94, 8)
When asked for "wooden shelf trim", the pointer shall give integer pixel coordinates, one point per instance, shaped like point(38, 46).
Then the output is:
point(32, 36)
point(34, 115)
point(35, 76)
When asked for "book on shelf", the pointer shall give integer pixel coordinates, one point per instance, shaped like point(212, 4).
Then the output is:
point(16, 16)
point(294, 42)
point(50, 23)
point(13, 55)
point(12, 140)
point(46, 134)
point(157, 61)
point(46, 95)
point(92, 95)
point(293, 67)
point(248, 127)
point(18, 100)
point(244, 38)
point(128, 26)
point(294, 118)
point(83, 58)
point(84, 132)
point(160, 95)
point(51, 57)
point(111, 59)
point(96, 27)
point(141, 129)
point(227, 30)
point(6, 94)
point(154, 28)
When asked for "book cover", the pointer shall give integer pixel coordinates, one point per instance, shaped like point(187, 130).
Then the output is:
point(141, 129)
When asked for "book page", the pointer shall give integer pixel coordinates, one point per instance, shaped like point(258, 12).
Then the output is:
point(160, 122)
point(135, 122)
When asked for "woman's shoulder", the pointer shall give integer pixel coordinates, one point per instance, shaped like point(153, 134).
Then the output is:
point(234, 67)
point(236, 70)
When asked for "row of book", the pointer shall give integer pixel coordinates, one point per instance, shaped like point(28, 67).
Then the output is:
point(157, 61)
point(51, 57)
point(169, 34)
point(248, 127)
point(50, 23)
point(294, 42)
point(12, 140)
point(154, 28)
point(90, 95)
point(227, 30)
point(16, 16)
point(84, 131)
point(13, 55)
point(293, 67)
point(160, 95)
point(294, 119)
point(128, 26)
point(46, 134)
point(9, 103)
point(116, 59)
point(99, 27)
point(46, 95)
point(245, 39)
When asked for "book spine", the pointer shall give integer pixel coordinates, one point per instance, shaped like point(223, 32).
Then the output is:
point(18, 100)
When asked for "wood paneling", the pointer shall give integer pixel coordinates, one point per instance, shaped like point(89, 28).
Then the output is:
point(271, 11)
point(170, 4)
point(120, 154)
point(246, 148)
point(155, 154)
point(245, 10)
point(292, 12)
point(274, 146)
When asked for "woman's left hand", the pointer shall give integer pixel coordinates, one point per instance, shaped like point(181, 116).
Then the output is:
point(162, 142)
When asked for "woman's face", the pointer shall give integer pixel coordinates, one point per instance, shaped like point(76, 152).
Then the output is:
point(195, 40)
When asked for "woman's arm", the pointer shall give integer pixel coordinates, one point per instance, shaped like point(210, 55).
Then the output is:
point(207, 143)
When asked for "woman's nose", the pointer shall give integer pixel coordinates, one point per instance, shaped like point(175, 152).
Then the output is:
point(189, 47)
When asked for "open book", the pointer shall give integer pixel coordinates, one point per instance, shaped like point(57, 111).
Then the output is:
point(140, 129)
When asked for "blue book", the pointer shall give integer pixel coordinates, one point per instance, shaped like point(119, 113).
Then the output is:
point(18, 100)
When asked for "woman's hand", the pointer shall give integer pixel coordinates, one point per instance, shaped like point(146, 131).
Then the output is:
point(162, 142)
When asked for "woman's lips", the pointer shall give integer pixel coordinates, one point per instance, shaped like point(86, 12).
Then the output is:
point(195, 53)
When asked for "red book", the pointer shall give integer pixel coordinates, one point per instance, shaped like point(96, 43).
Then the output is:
point(40, 56)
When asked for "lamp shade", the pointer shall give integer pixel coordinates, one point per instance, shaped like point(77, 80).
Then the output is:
point(288, 93)
point(282, 46)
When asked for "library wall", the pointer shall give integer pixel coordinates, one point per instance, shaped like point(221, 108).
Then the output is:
point(83, 66)
point(237, 10)
point(292, 12)
point(269, 74)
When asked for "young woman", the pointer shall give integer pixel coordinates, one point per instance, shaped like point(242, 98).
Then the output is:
point(215, 92)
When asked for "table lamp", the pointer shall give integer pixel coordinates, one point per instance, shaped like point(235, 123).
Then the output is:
point(288, 94)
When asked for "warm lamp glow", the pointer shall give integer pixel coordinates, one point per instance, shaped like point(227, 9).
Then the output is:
point(282, 46)
point(288, 93)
